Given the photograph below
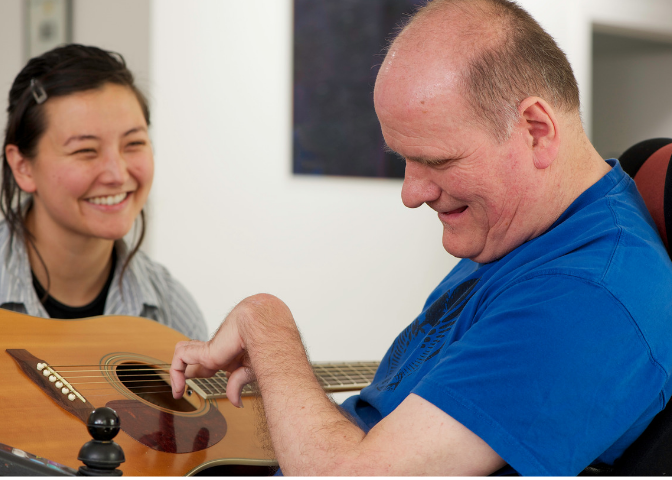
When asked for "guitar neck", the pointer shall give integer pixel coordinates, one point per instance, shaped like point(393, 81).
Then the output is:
point(343, 377)
point(334, 377)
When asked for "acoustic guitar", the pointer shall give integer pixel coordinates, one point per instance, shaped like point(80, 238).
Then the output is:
point(54, 372)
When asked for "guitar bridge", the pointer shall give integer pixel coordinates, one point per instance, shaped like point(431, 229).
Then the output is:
point(52, 383)
point(59, 382)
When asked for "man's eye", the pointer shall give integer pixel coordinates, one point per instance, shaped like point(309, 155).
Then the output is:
point(440, 162)
point(84, 151)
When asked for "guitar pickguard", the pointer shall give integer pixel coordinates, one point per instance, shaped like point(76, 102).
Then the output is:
point(167, 432)
point(157, 421)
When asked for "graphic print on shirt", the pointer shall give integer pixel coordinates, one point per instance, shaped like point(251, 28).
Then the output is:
point(436, 322)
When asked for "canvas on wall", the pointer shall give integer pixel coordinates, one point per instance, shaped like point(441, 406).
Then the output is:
point(338, 47)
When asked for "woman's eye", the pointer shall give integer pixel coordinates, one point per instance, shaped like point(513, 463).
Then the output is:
point(84, 151)
point(138, 143)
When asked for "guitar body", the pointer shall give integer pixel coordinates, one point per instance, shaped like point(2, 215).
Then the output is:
point(158, 437)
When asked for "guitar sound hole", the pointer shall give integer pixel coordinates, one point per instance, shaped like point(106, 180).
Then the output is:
point(151, 384)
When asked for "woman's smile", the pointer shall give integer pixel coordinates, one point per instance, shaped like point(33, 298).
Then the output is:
point(108, 199)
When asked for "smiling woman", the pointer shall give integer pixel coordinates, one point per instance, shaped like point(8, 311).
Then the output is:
point(77, 169)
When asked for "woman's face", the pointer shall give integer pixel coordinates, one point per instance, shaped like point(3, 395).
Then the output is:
point(94, 165)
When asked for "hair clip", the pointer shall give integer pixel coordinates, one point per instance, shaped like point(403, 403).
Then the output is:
point(37, 89)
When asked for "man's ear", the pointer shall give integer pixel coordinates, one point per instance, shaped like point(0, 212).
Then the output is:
point(22, 168)
point(540, 127)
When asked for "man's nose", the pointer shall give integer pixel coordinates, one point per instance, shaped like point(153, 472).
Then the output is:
point(418, 188)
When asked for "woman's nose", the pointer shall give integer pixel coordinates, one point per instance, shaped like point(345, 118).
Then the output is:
point(114, 168)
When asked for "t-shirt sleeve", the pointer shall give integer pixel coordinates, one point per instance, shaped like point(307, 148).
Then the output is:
point(552, 373)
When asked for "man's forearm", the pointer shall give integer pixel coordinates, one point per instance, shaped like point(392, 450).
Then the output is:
point(309, 433)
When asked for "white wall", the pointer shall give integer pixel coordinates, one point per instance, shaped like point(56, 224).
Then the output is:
point(118, 25)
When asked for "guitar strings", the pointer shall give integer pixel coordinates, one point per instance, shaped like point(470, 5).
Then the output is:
point(151, 379)
point(151, 375)
point(153, 370)
point(148, 381)
point(126, 378)
point(336, 372)
point(99, 365)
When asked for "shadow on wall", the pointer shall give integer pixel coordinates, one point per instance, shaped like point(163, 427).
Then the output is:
point(632, 99)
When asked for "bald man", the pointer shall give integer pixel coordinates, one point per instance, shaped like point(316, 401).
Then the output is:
point(547, 347)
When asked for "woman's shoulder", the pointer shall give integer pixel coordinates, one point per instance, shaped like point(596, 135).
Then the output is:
point(145, 266)
point(150, 274)
point(158, 286)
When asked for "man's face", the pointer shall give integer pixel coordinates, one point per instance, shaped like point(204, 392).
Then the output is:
point(480, 188)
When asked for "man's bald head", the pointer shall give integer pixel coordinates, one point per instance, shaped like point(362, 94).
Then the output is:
point(493, 51)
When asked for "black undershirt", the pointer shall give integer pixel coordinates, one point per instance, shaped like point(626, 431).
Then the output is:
point(56, 309)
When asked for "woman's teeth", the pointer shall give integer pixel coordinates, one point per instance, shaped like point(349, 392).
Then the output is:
point(108, 200)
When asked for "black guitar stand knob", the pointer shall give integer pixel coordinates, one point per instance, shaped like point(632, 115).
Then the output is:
point(101, 456)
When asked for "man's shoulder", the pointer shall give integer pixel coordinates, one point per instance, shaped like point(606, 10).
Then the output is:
point(600, 238)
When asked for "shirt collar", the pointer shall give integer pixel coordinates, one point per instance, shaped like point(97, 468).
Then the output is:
point(131, 299)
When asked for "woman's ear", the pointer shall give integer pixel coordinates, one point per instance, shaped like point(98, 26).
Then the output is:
point(541, 130)
point(22, 168)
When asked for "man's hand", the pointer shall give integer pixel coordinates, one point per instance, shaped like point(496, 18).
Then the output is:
point(227, 349)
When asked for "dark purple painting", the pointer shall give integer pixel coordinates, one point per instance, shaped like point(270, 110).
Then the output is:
point(338, 47)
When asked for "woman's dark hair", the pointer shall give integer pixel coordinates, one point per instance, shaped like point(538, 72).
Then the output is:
point(59, 72)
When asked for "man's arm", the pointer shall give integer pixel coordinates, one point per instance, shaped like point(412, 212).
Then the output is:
point(259, 339)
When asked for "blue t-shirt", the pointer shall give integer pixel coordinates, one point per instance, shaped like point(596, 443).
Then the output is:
point(557, 355)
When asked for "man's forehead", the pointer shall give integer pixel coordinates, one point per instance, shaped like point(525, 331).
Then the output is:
point(419, 68)
point(412, 96)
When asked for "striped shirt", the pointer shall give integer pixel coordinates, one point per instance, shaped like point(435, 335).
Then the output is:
point(147, 289)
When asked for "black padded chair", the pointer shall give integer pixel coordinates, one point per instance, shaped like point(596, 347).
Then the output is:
point(648, 162)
